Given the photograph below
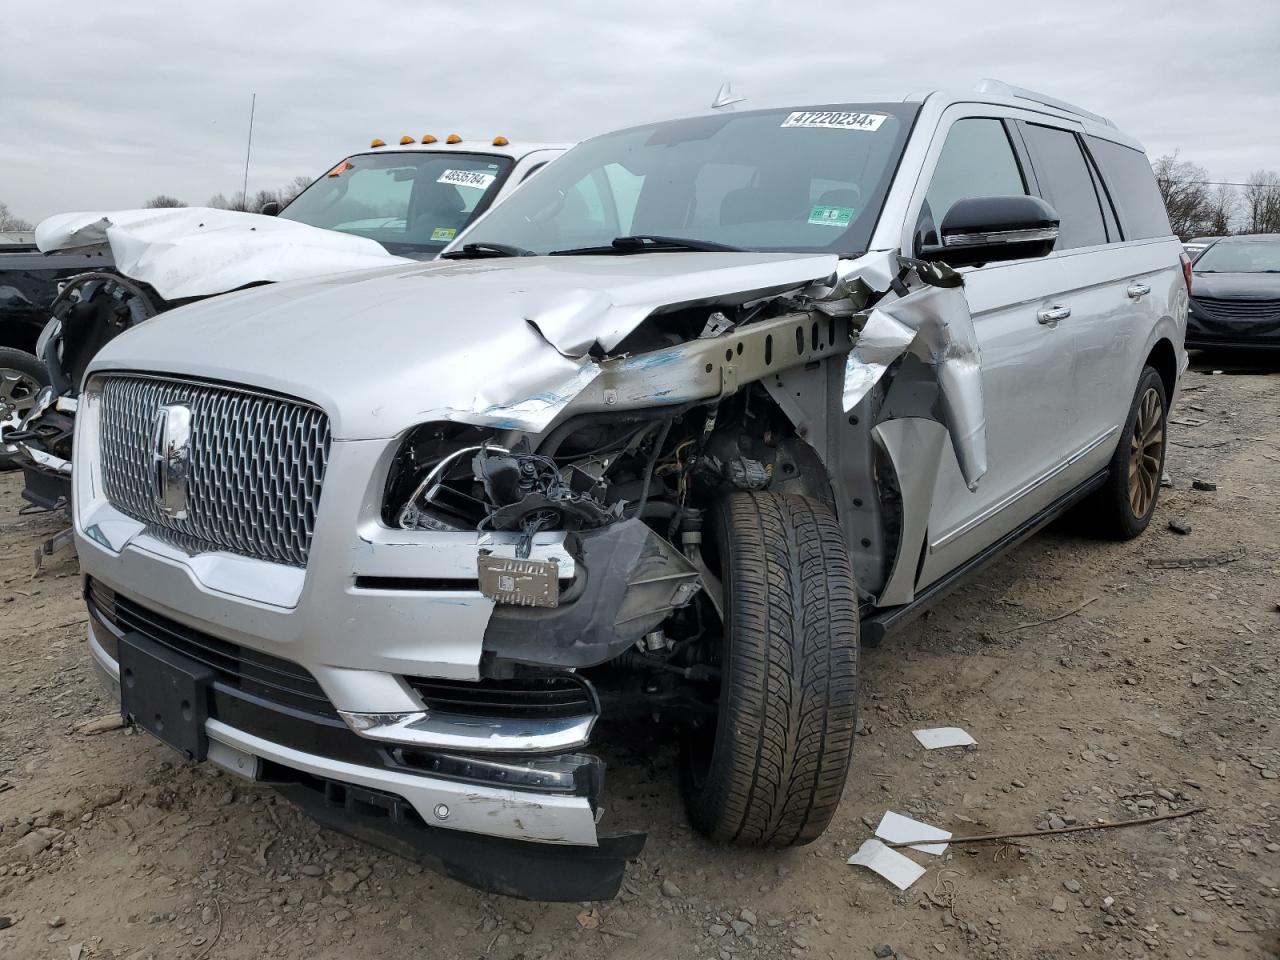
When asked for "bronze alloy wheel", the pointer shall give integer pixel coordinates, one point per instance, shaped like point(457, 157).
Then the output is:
point(1145, 447)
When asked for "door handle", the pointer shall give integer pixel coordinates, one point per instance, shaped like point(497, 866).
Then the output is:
point(1137, 291)
point(1051, 315)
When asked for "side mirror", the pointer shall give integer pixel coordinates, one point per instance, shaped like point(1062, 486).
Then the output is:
point(270, 209)
point(990, 229)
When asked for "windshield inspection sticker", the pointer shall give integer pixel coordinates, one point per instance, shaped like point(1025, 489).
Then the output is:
point(467, 178)
point(443, 234)
point(835, 120)
point(831, 216)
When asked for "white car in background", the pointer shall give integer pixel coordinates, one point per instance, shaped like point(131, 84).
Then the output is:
point(414, 198)
point(381, 207)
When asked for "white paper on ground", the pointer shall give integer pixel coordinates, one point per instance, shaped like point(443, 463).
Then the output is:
point(895, 828)
point(943, 737)
point(899, 870)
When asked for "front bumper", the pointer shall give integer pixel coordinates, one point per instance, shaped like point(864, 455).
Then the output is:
point(1206, 331)
point(536, 844)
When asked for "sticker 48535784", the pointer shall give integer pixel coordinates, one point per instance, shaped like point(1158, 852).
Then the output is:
point(467, 178)
point(835, 120)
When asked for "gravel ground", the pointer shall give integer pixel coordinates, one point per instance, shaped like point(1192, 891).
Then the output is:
point(1158, 695)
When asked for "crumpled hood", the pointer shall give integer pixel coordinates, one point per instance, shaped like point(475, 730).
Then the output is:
point(199, 251)
point(500, 342)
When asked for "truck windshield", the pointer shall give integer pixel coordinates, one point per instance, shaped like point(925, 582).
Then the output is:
point(411, 202)
point(805, 180)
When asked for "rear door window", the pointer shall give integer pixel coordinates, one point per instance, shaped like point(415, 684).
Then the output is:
point(1133, 189)
point(1065, 181)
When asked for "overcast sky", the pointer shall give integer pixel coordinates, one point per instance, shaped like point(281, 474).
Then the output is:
point(104, 104)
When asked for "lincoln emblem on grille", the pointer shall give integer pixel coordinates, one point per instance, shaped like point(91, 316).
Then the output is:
point(171, 458)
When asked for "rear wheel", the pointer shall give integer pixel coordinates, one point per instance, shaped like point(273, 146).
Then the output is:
point(772, 771)
point(1123, 508)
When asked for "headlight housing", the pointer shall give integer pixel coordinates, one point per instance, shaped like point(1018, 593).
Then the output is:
point(431, 485)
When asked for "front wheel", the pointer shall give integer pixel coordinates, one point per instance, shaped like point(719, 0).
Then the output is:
point(1123, 508)
point(772, 771)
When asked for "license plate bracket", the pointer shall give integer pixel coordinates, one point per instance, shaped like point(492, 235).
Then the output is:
point(165, 694)
point(520, 583)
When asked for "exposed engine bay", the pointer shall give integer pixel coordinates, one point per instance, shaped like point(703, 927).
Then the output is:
point(749, 395)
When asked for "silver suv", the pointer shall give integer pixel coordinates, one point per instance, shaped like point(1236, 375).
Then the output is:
point(665, 434)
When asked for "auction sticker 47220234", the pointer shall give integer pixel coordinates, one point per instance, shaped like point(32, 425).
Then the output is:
point(835, 120)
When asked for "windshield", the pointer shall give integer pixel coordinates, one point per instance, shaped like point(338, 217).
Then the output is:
point(1241, 256)
point(771, 180)
point(413, 203)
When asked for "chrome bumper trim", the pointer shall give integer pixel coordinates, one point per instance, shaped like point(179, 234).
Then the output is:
point(469, 807)
point(466, 734)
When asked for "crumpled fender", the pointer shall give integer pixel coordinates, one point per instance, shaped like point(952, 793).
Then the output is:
point(189, 252)
point(932, 323)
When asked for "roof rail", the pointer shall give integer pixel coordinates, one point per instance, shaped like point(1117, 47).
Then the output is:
point(1001, 89)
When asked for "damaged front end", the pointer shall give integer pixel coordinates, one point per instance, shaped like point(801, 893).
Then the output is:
point(589, 510)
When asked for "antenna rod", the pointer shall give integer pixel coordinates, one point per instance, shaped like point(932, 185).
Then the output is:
point(244, 190)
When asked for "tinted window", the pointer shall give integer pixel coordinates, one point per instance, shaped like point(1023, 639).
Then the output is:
point(1065, 181)
point(1133, 189)
point(976, 161)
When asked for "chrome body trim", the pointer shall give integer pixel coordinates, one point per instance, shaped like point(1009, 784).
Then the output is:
point(1022, 491)
point(996, 237)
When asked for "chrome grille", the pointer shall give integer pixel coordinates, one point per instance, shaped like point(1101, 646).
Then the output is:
point(257, 464)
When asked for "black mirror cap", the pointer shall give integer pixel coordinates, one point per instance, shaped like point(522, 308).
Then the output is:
point(270, 209)
point(988, 229)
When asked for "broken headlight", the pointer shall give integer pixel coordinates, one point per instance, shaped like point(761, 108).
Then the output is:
point(455, 477)
point(432, 485)
point(527, 492)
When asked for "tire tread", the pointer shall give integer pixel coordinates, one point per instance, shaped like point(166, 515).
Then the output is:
point(788, 702)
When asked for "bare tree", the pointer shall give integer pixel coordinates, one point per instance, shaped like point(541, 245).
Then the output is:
point(10, 222)
point(261, 199)
point(1185, 192)
point(283, 196)
point(163, 200)
point(1221, 210)
point(220, 201)
point(1261, 196)
point(289, 193)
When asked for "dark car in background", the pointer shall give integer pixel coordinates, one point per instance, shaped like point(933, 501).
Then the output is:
point(1235, 294)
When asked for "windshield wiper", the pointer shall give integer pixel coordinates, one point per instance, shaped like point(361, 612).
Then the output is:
point(476, 251)
point(649, 243)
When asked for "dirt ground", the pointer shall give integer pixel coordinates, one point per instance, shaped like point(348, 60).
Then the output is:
point(1159, 694)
